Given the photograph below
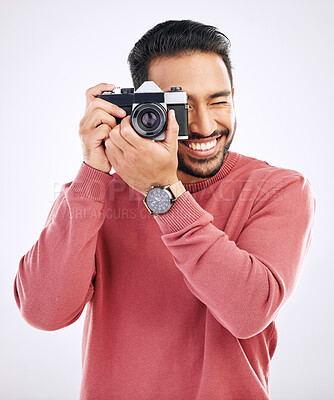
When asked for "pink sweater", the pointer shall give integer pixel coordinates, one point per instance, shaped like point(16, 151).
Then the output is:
point(179, 306)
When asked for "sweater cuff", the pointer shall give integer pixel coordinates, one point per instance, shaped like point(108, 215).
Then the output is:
point(91, 183)
point(183, 213)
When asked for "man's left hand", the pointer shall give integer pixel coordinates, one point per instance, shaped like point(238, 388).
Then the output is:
point(140, 162)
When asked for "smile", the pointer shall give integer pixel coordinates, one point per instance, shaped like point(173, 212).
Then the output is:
point(202, 146)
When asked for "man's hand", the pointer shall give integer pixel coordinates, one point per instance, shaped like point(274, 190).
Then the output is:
point(95, 126)
point(140, 162)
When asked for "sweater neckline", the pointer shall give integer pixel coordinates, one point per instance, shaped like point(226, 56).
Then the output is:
point(228, 164)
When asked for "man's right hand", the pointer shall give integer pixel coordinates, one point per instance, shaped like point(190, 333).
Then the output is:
point(96, 125)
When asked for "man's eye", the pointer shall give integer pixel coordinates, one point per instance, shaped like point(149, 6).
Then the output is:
point(220, 102)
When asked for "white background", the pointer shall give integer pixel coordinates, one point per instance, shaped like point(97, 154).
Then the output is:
point(51, 52)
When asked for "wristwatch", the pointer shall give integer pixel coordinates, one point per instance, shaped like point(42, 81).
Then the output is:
point(159, 199)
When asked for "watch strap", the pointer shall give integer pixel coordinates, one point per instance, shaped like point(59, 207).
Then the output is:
point(176, 189)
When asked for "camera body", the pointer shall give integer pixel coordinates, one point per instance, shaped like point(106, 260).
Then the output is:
point(148, 107)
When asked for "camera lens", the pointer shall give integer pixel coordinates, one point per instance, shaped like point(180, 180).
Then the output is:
point(149, 119)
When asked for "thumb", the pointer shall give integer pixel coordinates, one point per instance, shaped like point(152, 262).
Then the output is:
point(172, 130)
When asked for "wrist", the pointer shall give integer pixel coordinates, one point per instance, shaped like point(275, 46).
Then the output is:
point(159, 199)
point(177, 189)
point(163, 182)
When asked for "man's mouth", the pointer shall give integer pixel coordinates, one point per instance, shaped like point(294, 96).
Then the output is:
point(202, 145)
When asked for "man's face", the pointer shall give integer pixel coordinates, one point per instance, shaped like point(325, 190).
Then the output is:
point(211, 114)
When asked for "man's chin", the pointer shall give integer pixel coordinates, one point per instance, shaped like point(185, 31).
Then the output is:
point(206, 167)
point(201, 168)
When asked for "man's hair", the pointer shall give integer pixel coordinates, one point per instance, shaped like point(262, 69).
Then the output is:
point(173, 38)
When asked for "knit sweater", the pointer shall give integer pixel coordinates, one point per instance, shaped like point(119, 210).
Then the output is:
point(179, 306)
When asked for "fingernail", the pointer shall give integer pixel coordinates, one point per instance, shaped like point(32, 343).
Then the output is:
point(122, 112)
point(172, 114)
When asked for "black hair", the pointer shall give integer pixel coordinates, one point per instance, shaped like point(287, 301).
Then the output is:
point(172, 38)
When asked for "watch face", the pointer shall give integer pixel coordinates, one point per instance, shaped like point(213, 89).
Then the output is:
point(159, 200)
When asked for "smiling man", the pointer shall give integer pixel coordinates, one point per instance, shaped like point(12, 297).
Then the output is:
point(181, 303)
point(205, 78)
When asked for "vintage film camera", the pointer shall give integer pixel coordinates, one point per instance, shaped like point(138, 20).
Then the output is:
point(148, 107)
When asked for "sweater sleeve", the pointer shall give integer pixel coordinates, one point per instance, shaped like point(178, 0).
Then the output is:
point(245, 282)
point(54, 280)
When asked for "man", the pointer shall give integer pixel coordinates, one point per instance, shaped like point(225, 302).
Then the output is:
point(180, 305)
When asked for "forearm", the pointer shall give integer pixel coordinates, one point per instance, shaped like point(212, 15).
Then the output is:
point(240, 291)
point(54, 281)
point(242, 282)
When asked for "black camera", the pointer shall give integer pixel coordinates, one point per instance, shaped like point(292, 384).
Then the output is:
point(148, 107)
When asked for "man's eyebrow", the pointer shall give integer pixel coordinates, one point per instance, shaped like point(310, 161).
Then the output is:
point(222, 93)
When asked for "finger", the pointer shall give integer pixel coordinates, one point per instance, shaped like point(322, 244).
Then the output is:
point(93, 140)
point(113, 153)
point(96, 118)
point(100, 104)
point(117, 138)
point(107, 106)
point(130, 135)
point(92, 92)
point(172, 130)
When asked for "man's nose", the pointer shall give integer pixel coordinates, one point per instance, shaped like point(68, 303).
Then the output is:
point(201, 122)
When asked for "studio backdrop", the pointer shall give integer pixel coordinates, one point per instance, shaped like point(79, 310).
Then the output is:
point(51, 52)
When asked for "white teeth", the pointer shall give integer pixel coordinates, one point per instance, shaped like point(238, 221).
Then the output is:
point(202, 146)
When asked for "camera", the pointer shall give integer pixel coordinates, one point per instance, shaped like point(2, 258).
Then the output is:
point(148, 107)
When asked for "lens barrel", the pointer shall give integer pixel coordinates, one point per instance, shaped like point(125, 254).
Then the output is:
point(149, 119)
